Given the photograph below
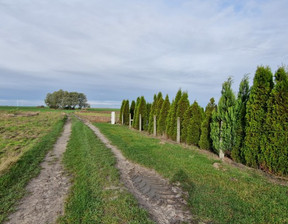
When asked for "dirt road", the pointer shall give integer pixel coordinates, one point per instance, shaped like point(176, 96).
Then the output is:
point(163, 201)
point(45, 201)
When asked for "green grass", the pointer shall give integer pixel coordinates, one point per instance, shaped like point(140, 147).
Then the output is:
point(229, 195)
point(45, 109)
point(14, 180)
point(97, 196)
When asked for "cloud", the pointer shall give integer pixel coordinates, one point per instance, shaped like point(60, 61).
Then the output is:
point(113, 50)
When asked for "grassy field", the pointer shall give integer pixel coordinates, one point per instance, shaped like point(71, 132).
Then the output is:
point(97, 196)
point(46, 109)
point(97, 115)
point(20, 132)
point(225, 195)
point(14, 179)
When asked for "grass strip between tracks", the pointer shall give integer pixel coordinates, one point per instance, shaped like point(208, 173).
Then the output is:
point(224, 195)
point(97, 195)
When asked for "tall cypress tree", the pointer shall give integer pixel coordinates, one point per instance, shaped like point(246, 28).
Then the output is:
point(183, 106)
point(223, 120)
point(256, 115)
point(161, 122)
point(126, 112)
point(141, 109)
point(136, 118)
point(205, 141)
point(121, 110)
point(132, 108)
point(151, 114)
point(186, 122)
point(194, 127)
point(275, 149)
point(146, 120)
point(168, 119)
point(240, 112)
point(172, 125)
point(160, 101)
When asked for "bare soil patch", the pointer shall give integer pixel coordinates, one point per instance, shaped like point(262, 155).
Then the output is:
point(163, 201)
point(45, 201)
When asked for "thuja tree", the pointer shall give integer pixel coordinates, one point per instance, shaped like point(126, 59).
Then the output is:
point(160, 101)
point(155, 110)
point(132, 108)
point(183, 106)
point(136, 124)
point(276, 128)
point(205, 141)
point(256, 114)
point(126, 112)
point(240, 113)
point(140, 109)
point(121, 110)
point(146, 119)
point(161, 122)
point(152, 113)
point(186, 122)
point(194, 127)
point(172, 118)
point(223, 120)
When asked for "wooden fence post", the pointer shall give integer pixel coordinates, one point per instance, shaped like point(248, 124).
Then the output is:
point(154, 132)
point(178, 129)
point(140, 122)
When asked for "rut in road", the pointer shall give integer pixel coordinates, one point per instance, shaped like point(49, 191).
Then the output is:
point(45, 201)
point(163, 201)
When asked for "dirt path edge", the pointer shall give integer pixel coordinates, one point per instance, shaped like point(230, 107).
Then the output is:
point(163, 201)
point(47, 192)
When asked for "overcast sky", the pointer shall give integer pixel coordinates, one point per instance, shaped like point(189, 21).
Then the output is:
point(120, 49)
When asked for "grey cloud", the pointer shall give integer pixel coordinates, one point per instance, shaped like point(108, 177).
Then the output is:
point(122, 49)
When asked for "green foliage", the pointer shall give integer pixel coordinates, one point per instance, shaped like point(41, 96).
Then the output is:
point(141, 109)
point(194, 127)
point(172, 118)
point(66, 100)
point(275, 149)
point(223, 120)
point(132, 108)
point(122, 111)
point(160, 101)
point(186, 122)
point(240, 112)
point(134, 124)
point(126, 112)
point(148, 111)
point(256, 115)
point(161, 122)
point(183, 106)
point(151, 114)
point(205, 141)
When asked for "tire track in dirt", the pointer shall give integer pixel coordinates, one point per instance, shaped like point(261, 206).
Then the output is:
point(163, 201)
point(46, 197)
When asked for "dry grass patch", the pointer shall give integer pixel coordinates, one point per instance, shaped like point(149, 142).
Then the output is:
point(20, 131)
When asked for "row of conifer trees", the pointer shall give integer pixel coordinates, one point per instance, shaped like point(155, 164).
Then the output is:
point(251, 128)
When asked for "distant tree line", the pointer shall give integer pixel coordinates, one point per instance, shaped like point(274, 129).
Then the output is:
point(251, 128)
point(66, 100)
